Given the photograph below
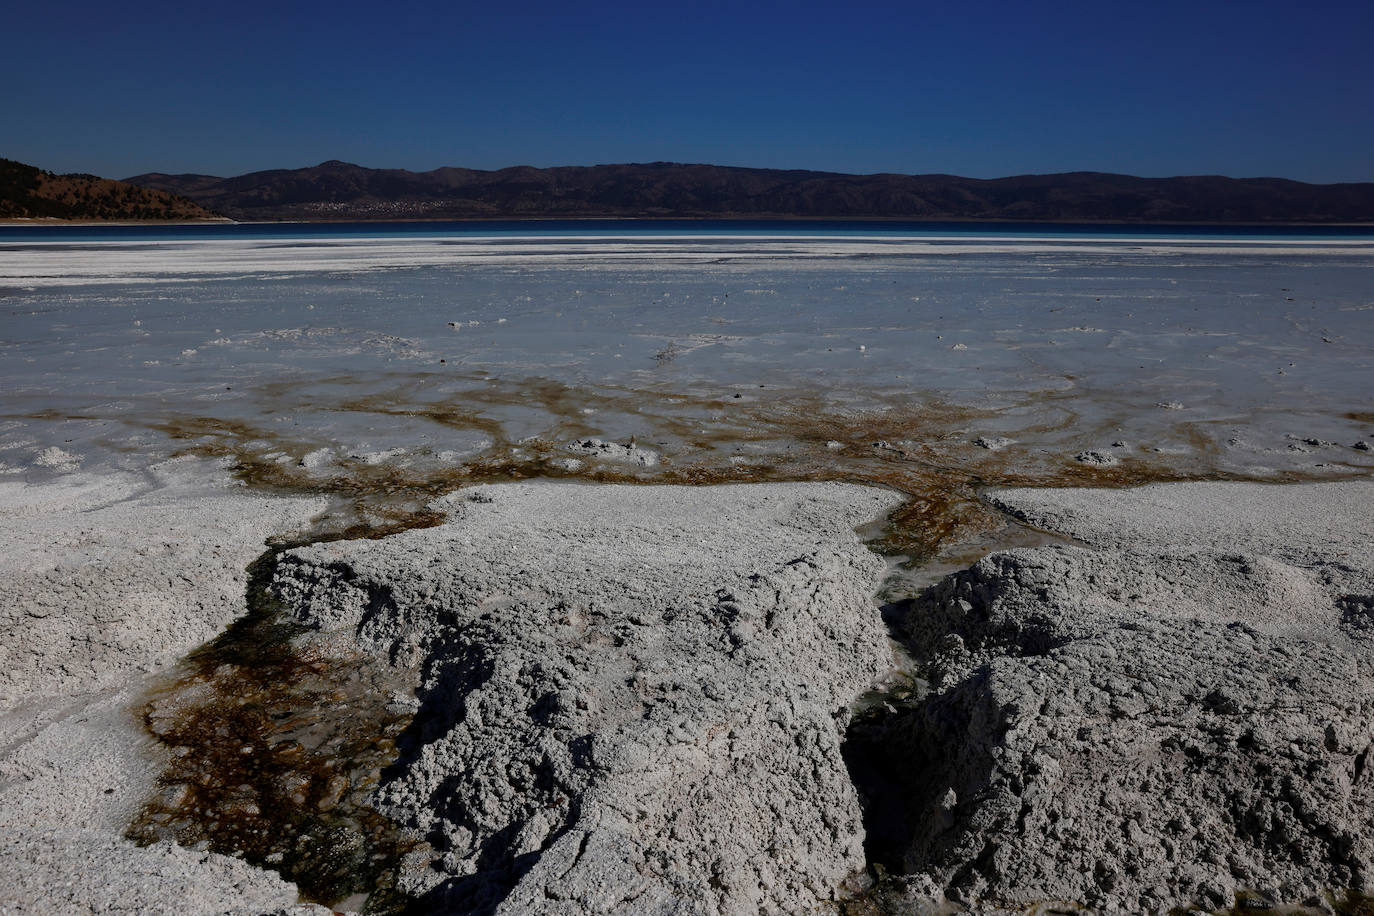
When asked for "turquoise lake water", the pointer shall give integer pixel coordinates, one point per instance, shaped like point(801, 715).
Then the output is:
point(928, 229)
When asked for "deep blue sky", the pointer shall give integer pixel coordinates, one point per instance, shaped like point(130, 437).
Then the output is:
point(972, 88)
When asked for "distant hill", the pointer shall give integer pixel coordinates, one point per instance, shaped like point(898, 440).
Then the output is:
point(31, 193)
point(342, 191)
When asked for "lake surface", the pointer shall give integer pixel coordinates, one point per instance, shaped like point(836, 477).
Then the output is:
point(682, 227)
point(412, 355)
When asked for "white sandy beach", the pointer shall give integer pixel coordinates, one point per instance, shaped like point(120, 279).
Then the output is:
point(59, 263)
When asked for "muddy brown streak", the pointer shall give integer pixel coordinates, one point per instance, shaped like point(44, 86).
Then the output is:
point(919, 449)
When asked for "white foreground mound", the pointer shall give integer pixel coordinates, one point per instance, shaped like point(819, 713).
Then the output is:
point(107, 578)
point(633, 698)
point(1183, 713)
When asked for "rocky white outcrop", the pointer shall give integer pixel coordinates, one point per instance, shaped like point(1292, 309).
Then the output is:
point(615, 451)
point(633, 698)
point(1178, 712)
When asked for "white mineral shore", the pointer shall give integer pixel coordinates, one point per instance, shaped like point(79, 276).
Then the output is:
point(633, 698)
point(54, 263)
point(1180, 710)
point(637, 699)
point(110, 577)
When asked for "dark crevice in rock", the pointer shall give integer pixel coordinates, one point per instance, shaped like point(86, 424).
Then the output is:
point(1093, 726)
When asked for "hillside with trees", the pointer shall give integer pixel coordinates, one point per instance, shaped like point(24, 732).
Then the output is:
point(28, 192)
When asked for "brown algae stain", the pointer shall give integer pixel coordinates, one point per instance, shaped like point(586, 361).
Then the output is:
point(275, 744)
point(922, 450)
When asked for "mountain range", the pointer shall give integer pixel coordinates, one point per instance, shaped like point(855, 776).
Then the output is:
point(337, 190)
point(344, 191)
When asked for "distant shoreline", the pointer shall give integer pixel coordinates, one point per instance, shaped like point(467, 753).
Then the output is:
point(962, 221)
point(87, 223)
